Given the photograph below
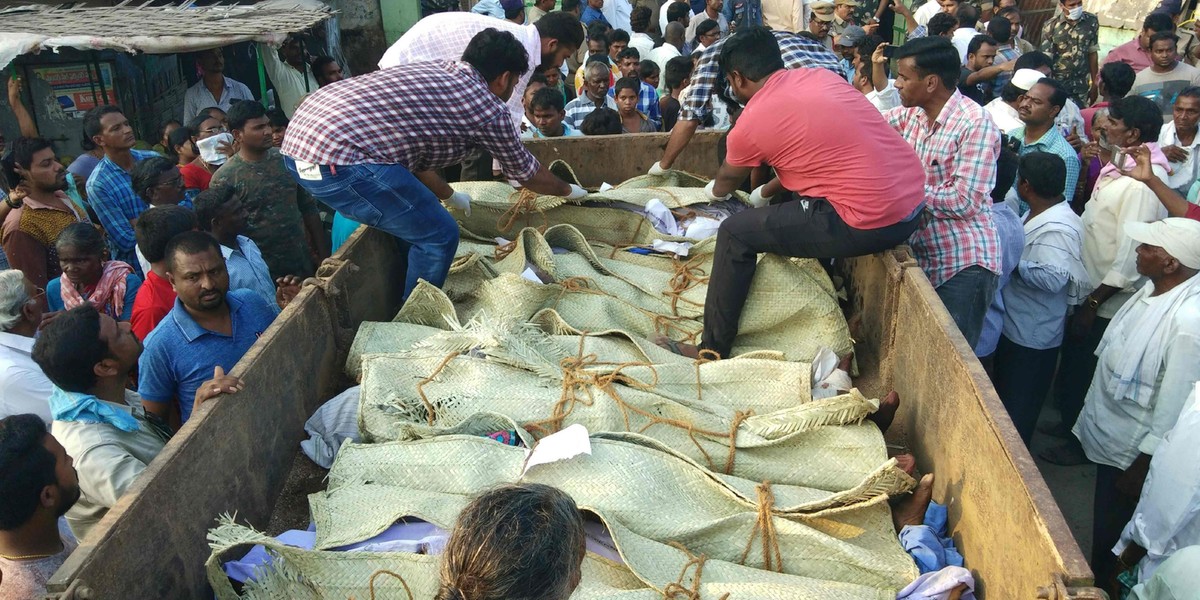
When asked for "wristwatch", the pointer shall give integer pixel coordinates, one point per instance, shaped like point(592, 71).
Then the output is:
point(1092, 303)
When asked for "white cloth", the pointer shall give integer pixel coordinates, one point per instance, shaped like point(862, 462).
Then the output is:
point(1108, 253)
point(23, 386)
point(1116, 426)
point(1177, 579)
point(335, 422)
point(1185, 173)
point(1167, 517)
point(1142, 341)
point(926, 12)
point(291, 85)
point(617, 12)
point(939, 585)
point(885, 99)
point(643, 43)
point(444, 36)
point(1004, 116)
point(661, 55)
point(662, 15)
point(962, 39)
point(198, 98)
point(1049, 278)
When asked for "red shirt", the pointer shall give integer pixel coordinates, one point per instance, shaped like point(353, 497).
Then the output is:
point(826, 140)
point(154, 300)
point(1193, 212)
point(195, 177)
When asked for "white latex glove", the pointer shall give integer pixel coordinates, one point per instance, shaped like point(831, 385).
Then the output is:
point(657, 169)
point(708, 191)
point(757, 199)
point(460, 201)
point(577, 193)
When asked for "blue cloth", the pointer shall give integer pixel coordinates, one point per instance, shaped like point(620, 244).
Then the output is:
point(390, 198)
point(928, 544)
point(343, 228)
point(248, 271)
point(489, 8)
point(591, 15)
point(647, 104)
point(1054, 143)
point(1012, 242)
point(940, 585)
point(86, 408)
point(132, 284)
point(967, 296)
point(110, 192)
point(742, 13)
point(180, 355)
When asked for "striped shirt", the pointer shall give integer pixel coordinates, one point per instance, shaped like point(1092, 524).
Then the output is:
point(422, 116)
point(110, 193)
point(959, 153)
point(579, 108)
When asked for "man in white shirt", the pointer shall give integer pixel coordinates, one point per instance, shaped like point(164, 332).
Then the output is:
point(785, 15)
point(1180, 143)
point(214, 88)
point(289, 73)
point(1145, 372)
point(712, 10)
point(933, 7)
point(968, 17)
point(1167, 517)
point(671, 47)
point(664, 14)
point(23, 386)
point(639, 20)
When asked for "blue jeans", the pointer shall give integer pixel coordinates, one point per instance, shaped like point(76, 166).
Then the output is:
point(390, 198)
point(967, 297)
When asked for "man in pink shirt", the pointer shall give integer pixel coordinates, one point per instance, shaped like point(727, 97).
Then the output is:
point(1136, 52)
point(856, 187)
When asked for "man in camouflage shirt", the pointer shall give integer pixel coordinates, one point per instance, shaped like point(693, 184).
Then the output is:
point(280, 214)
point(1072, 39)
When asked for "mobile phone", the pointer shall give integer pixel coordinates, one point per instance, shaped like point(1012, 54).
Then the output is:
point(889, 51)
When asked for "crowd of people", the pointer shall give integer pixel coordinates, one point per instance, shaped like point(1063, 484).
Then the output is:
point(1049, 195)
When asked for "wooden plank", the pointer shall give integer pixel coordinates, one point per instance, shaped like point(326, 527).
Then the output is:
point(615, 158)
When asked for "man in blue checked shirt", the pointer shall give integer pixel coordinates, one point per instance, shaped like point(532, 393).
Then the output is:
point(798, 52)
point(109, 187)
point(629, 61)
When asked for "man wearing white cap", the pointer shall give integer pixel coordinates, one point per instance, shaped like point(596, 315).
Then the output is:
point(1004, 108)
point(1146, 370)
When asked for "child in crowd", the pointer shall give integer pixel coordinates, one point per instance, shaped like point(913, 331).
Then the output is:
point(632, 119)
point(546, 110)
point(602, 121)
point(649, 73)
point(677, 77)
point(279, 125)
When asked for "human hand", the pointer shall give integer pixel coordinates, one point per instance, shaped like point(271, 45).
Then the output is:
point(459, 201)
point(1141, 171)
point(1129, 482)
point(870, 28)
point(14, 88)
point(899, 8)
point(228, 149)
point(1081, 322)
point(1007, 67)
point(578, 193)
point(1074, 140)
point(657, 169)
point(219, 384)
point(1174, 153)
point(757, 199)
point(1089, 151)
point(286, 289)
point(708, 191)
point(877, 56)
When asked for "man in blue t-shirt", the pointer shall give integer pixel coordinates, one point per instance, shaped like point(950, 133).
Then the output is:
point(204, 335)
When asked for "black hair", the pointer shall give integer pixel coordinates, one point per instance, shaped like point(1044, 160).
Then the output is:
point(209, 205)
point(1190, 91)
point(23, 149)
point(1033, 60)
point(597, 29)
point(967, 15)
point(91, 120)
point(648, 68)
point(1059, 95)
point(1118, 78)
point(493, 53)
point(1004, 12)
point(146, 172)
point(189, 243)
point(242, 112)
point(569, 6)
point(677, 11)
point(318, 65)
point(602, 121)
point(639, 19)
point(155, 228)
point(1164, 35)
point(1045, 172)
point(706, 26)
point(561, 26)
point(979, 41)
point(87, 144)
point(627, 83)
point(537, 77)
point(193, 126)
point(547, 98)
point(940, 23)
point(597, 58)
point(1010, 92)
point(618, 35)
point(1158, 22)
point(1138, 113)
point(83, 237)
point(753, 52)
point(866, 47)
point(68, 348)
point(511, 13)
point(678, 69)
point(162, 130)
point(179, 137)
point(1000, 29)
point(933, 56)
point(601, 38)
point(629, 53)
point(1006, 172)
point(26, 468)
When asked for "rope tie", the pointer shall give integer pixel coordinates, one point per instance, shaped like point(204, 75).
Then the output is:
point(676, 589)
point(765, 525)
point(688, 274)
point(526, 203)
point(738, 418)
point(371, 582)
point(503, 251)
point(421, 386)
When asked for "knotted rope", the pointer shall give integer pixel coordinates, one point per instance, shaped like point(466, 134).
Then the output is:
point(371, 582)
point(765, 525)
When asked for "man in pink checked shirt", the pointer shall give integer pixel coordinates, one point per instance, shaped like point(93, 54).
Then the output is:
point(956, 243)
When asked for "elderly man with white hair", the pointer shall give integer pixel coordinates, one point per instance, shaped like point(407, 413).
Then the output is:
point(23, 386)
point(1146, 371)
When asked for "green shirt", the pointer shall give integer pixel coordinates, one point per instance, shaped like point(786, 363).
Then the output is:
point(1070, 44)
point(275, 209)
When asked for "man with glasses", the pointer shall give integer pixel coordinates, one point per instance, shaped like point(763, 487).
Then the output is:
point(23, 386)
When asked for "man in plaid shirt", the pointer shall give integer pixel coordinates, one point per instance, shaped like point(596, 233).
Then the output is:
point(368, 146)
point(797, 51)
point(956, 242)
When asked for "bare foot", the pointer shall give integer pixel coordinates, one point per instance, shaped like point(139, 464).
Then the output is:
point(906, 463)
point(911, 510)
point(887, 411)
point(679, 348)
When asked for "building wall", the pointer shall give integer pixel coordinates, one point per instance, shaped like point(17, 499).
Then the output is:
point(362, 31)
